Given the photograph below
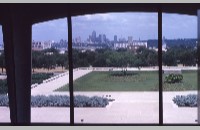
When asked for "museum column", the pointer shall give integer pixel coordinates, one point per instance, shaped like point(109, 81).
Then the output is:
point(17, 40)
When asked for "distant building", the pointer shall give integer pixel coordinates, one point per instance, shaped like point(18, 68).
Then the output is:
point(130, 39)
point(93, 38)
point(101, 38)
point(77, 40)
point(121, 45)
point(134, 45)
point(164, 45)
point(38, 45)
point(122, 40)
point(62, 50)
point(115, 38)
point(47, 44)
point(104, 38)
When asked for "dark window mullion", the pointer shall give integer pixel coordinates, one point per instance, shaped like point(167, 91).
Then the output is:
point(198, 62)
point(70, 69)
point(160, 66)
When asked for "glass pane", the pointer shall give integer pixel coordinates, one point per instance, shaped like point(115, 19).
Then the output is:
point(50, 72)
point(179, 68)
point(115, 71)
point(4, 108)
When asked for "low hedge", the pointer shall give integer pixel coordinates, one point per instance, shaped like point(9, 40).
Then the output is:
point(3, 86)
point(36, 78)
point(186, 101)
point(62, 101)
point(4, 100)
point(39, 77)
point(122, 73)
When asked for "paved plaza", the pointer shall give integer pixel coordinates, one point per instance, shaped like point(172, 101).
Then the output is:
point(127, 107)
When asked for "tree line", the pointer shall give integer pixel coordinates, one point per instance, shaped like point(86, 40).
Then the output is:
point(49, 59)
point(115, 58)
point(142, 57)
point(187, 56)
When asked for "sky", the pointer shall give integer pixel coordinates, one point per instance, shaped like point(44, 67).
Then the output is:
point(137, 25)
point(179, 26)
point(1, 35)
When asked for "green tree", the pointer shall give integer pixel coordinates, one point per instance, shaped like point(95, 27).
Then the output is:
point(62, 60)
point(49, 62)
point(187, 57)
point(152, 58)
point(169, 58)
point(2, 61)
point(37, 59)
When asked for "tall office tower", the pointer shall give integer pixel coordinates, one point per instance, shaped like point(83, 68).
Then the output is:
point(104, 38)
point(115, 38)
point(93, 36)
point(100, 38)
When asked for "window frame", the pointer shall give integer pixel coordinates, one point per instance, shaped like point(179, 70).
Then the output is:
point(160, 10)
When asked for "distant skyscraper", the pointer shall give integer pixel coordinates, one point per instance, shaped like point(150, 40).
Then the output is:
point(78, 39)
point(100, 38)
point(104, 38)
point(90, 38)
point(130, 39)
point(122, 40)
point(93, 36)
point(115, 38)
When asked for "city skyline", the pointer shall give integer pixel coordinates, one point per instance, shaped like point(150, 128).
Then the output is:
point(109, 24)
point(121, 24)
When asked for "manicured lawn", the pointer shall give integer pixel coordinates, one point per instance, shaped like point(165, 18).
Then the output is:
point(189, 82)
point(140, 81)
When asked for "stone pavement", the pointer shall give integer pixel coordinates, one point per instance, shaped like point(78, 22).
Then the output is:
point(128, 107)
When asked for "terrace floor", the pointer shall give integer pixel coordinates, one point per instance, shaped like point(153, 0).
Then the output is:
point(128, 107)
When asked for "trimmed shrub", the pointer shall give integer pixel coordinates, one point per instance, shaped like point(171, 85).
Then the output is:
point(61, 101)
point(186, 101)
point(123, 73)
point(3, 86)
point(97, 102)
point(81, 101)
point(4, 100)
point(174, 78)
point(39, 77)
point(50, 101)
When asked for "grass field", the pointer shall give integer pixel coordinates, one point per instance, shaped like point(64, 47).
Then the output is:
point(141, 81)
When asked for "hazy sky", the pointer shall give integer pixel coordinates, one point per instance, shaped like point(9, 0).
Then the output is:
point(1, 35)
point(137, 25)
point(179, 26)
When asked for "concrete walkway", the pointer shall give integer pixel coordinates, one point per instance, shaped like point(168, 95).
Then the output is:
point(49, 87)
